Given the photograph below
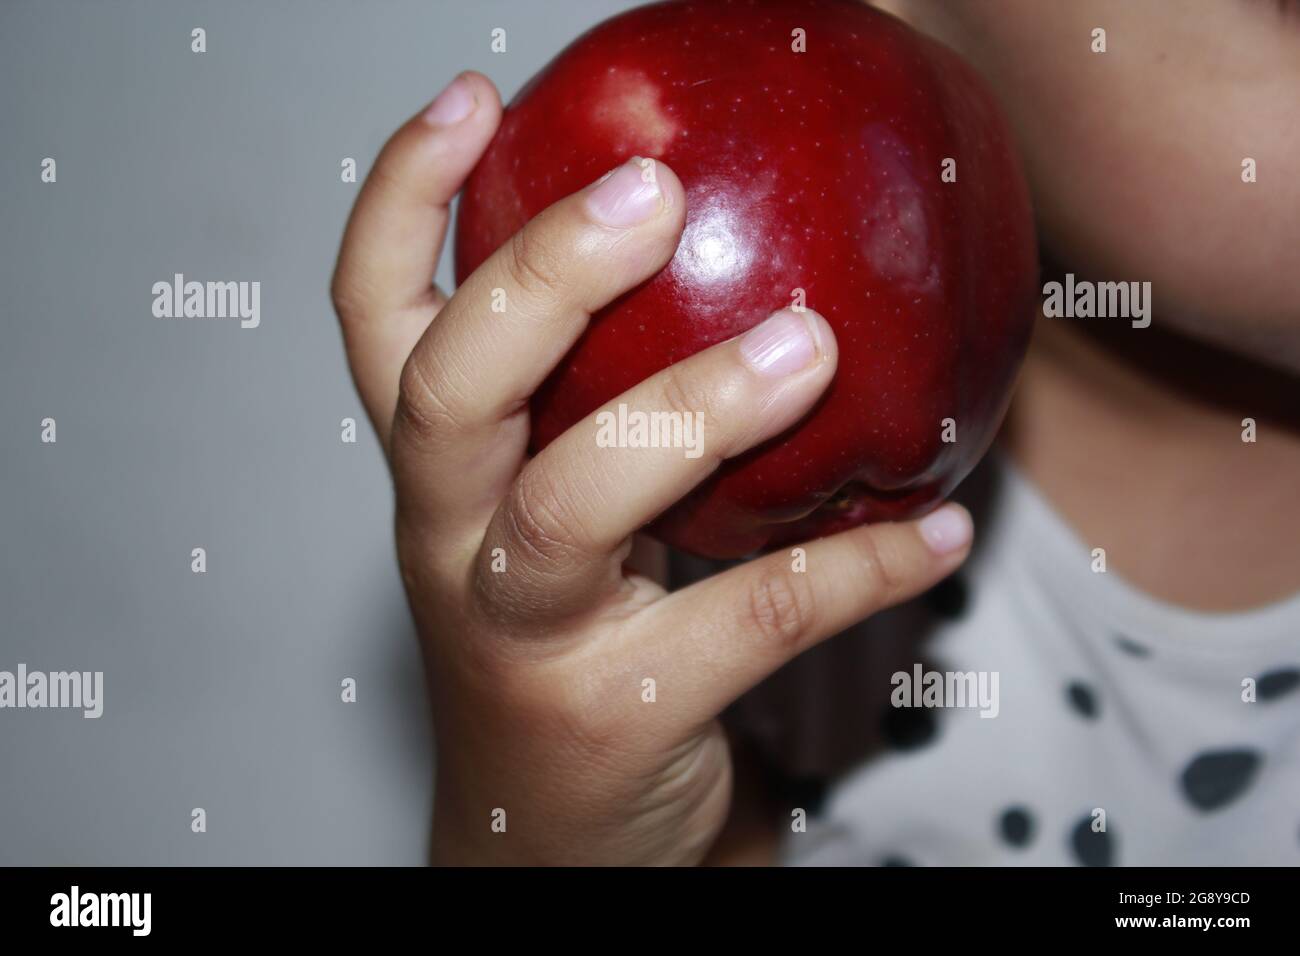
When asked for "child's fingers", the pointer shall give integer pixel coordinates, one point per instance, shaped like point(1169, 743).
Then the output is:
point(711, 642)
point(461, 426)
point(564, 525)
point(383, 283)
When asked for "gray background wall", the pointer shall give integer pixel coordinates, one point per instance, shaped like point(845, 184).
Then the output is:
point(222, 690)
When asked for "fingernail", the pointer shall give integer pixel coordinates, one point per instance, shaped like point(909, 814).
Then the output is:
point(946, 530)
point(452, 105)
point(782, 344)
point(623, 197)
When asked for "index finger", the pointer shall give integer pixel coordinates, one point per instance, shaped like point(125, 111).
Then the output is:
point(383, 284)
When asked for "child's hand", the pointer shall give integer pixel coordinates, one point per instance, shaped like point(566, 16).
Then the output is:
point(541, 648)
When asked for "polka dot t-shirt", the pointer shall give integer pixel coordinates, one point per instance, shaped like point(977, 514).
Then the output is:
point(1126, 731)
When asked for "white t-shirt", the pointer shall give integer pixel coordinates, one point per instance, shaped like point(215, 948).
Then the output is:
point(1126, 730)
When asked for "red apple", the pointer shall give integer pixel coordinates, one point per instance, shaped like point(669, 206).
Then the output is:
point(812, 138)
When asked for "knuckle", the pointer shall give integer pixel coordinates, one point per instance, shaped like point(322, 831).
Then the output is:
point(880, 566)
point(430, 572)
point(684, 393)
point(343, 298)
point(535, 522)
point(396, 176)
point(532, 263)
point(423, 408)
point(781, 608)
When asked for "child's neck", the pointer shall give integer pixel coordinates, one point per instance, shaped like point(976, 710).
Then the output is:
point(1135, 436)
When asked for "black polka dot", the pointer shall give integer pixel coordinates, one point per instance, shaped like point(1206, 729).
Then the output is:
point(1092, 847)
point(1277, 682)
point(1017, 826)
point(1216, 779)
point(1082, 699)
point(1132, 647)
point(949, 598)
point(906, 728)
point(895, 860)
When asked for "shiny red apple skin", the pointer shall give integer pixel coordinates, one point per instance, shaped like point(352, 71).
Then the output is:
point(819, 171)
